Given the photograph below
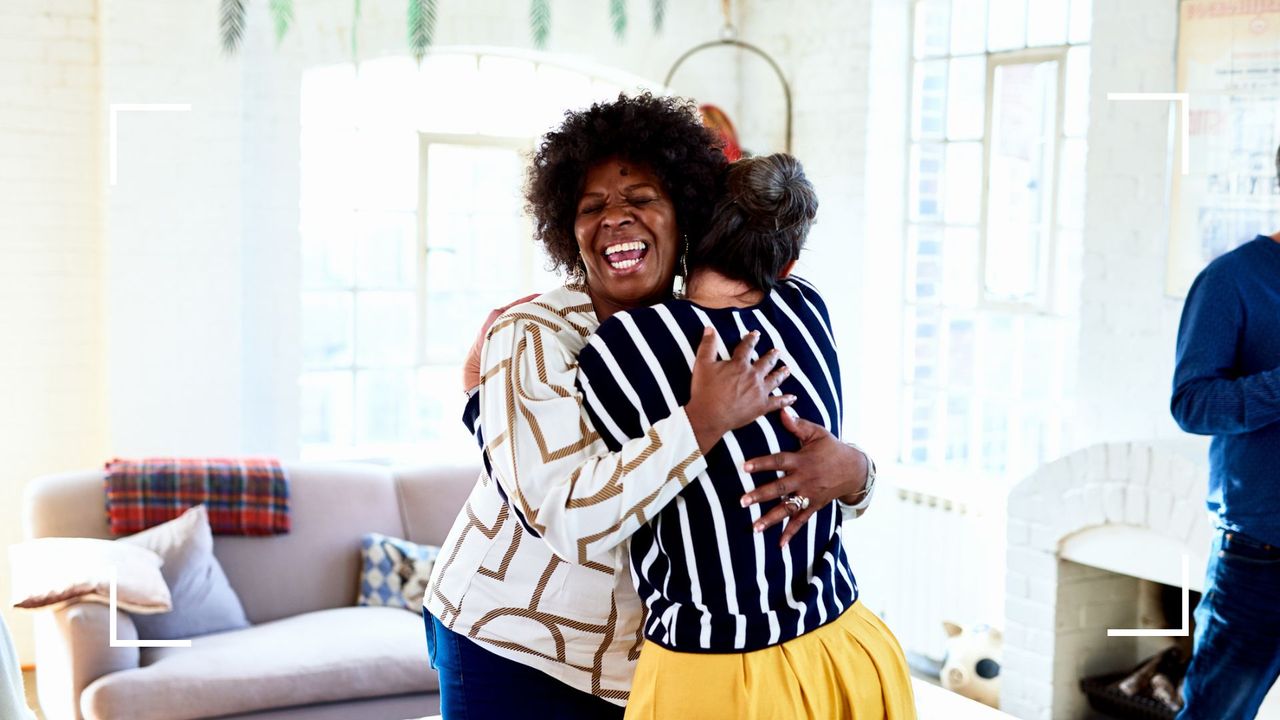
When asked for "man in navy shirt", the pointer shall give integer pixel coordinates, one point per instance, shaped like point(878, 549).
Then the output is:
point(1227, 384)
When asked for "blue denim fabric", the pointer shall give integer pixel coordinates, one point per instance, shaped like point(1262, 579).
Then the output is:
point(476, 684)
point(1237, 643)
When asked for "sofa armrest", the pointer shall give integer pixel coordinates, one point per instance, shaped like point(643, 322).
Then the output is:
point(73, 648)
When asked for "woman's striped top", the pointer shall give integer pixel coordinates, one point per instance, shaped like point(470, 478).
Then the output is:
point(708, 581)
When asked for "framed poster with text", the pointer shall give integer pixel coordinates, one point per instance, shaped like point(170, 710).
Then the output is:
point(1229, 65)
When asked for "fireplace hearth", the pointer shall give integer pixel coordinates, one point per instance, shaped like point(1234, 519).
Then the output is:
point(1092, 538)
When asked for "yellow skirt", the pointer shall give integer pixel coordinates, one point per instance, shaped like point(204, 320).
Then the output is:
point(850, 668)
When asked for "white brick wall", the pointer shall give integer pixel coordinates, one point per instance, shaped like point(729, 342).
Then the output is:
point(823, 47)
point(1057, 611)
point(51, 369)
point(1127, 323)
point(173, 236)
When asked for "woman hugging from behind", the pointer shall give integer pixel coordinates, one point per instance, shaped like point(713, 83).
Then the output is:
point(740, 622)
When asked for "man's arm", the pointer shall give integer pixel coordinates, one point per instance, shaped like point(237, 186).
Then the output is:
point(1208, 399)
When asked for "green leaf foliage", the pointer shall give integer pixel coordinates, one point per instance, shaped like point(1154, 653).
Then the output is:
point(232, 25)
point(282, 17)
point(618, 17)
point(540, 22)
point(422, 26)
point(355, 32)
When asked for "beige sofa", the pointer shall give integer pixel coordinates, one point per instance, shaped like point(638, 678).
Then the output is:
point(309, 652)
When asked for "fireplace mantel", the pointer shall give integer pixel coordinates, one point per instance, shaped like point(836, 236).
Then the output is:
point(1146, 555)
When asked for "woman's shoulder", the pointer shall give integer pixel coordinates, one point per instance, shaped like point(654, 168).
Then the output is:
point(800, 300)
point(797, 284)
point(654, 326)
point(795, 289)
point(566, 312)
point(664, 312)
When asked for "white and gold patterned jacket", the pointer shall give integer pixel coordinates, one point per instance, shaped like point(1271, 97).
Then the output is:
point(535, 567)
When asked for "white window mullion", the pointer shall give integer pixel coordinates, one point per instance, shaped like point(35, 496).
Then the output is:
point(366, 162)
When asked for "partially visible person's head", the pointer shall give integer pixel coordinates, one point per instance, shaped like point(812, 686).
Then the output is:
point(638, 170)
point(760, 222)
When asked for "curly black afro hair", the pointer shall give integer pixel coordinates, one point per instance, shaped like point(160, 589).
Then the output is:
point(665, 134)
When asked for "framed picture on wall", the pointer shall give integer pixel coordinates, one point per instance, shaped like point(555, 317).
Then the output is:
point(1229, 66)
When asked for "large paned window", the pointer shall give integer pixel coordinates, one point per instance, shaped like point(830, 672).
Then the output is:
point(998, 114)
point(413, 228)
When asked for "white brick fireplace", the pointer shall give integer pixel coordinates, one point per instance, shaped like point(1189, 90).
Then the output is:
point(1088, 537)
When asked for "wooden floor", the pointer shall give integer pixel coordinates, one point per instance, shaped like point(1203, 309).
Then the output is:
point(932, 702)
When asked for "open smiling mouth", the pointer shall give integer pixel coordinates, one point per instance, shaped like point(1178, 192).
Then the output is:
point(627, 255)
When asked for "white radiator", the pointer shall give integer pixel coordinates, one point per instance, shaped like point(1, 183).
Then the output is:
point(922, 555)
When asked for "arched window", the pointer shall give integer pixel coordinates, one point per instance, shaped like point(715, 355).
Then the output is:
point(413, 228)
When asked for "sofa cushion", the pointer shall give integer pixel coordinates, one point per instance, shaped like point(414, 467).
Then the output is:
point(395, 572)
point(48, 571)
point(431, 496)
point(323, 656)
point(315, 566)
point(203, 601)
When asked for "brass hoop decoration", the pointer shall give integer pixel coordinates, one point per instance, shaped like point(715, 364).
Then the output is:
point(730, 41)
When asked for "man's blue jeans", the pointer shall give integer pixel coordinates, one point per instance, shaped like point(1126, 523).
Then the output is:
point(476, 684)
point(1237, 643)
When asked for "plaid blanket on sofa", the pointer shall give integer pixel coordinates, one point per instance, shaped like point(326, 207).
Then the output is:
point(243, 497)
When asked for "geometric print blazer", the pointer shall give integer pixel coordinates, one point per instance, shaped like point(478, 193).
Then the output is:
point(536, 568)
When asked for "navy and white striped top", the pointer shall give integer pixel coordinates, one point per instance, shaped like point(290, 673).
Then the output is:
point(709, 583)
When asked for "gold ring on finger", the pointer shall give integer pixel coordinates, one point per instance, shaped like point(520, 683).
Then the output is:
point(798, 503)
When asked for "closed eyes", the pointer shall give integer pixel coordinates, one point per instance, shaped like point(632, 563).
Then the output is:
point(594, 208)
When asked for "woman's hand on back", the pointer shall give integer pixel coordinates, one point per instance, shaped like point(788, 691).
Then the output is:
point(822, 470)
point(471, 365)
point(727, 394)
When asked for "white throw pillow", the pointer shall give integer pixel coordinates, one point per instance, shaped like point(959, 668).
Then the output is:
point(49, 571)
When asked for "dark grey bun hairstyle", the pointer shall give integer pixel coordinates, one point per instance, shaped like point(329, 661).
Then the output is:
point(760, 222)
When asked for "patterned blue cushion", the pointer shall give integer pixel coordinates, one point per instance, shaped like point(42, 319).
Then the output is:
point(394, 572)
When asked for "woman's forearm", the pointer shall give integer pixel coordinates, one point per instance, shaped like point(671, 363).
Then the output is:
point(858, 476)
point(550, 461)
point(707, 426)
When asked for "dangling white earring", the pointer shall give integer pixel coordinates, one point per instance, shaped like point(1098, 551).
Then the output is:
point(678, 286)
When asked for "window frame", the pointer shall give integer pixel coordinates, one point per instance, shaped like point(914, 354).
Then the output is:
point(584, 82)
point(523, 145)
point(980, 309)
point(1046, 282)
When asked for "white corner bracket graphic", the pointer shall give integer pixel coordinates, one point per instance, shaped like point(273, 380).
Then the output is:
point(1183, 631)
point(117, 108)
point(1184, 110)
point(116, 642)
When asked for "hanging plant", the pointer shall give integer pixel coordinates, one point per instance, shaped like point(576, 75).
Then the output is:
point(232, 25)
point(540, 22)
point(421, 22)
point(281, 17)
point(618, 17)
point(355, 31)
point(422, 26)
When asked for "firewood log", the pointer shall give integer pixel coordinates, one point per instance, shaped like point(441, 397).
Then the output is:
point(1140, 679)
